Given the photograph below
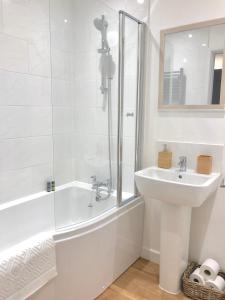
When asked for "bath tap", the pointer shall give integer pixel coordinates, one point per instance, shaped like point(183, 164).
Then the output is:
point(99, 187)
point(182, 164)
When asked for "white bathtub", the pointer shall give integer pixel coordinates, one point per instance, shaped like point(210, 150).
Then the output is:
point(94, 245)
point(75, 203)
point(91, 255)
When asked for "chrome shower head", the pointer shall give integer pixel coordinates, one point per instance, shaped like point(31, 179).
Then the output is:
point(101, 24)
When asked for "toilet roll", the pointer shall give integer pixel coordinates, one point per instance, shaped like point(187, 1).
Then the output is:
point(209, 269)
point(197, 277)
point(217, 284)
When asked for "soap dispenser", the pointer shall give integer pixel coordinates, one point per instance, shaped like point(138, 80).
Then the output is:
point(165, 158)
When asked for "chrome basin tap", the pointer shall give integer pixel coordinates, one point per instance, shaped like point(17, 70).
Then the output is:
point(182, 164)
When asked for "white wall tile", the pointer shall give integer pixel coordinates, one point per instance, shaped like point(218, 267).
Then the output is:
point(63, 39)
point(23, 182)
point(22, 89)
point(191, 127)
point(39, 55)
point(85, 93)
point(24, 152)
point(40, 174)
point(128, 179)
point(61, 10)
point(25, 100)
point(62, 92)
point(14, 184)
point(100, 121)
point(62, 119)
point(130, 93)
point(192, 151)
point(25, 19)
point(86, 67)
point(1, 17)
point(61, 64)
point(63, 171)
point(84, 120)
point(13, 54)
point(25, 121)
point(63, 146)
point(129, 151)
point(31, 28)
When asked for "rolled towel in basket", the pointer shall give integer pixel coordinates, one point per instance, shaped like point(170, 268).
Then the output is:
point(197, 277)
point(217, 284)
point(209, 269)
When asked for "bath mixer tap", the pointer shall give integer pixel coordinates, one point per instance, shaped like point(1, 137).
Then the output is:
point(100, 187)
point(182, 164)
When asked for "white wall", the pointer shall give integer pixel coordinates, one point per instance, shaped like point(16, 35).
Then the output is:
point(79, 120)
point(52, 121)
point(80, 112)
point(208, 221)
point(25, 98)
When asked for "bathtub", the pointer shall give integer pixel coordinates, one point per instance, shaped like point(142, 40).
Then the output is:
point(75, 203)
point(95, 241)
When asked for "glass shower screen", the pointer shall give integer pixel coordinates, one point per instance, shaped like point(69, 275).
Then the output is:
point(129, 116)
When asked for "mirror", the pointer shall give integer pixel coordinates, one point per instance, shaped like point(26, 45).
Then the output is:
point(192, 66)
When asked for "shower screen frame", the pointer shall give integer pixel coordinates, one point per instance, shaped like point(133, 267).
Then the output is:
point(139, 103)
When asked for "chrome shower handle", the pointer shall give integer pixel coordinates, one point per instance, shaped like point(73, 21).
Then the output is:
point(130, 114)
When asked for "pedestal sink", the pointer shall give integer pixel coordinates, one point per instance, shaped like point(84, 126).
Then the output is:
point(178, 192)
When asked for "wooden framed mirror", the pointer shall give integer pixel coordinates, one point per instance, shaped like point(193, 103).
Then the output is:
point(192, 66)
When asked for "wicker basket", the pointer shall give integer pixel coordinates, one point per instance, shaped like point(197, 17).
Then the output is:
point(197, 291)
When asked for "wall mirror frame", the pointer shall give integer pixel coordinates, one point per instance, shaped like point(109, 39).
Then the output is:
point(165, 94)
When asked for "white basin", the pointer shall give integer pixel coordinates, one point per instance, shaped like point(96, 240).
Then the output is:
point(178, 192)
point(185, 188)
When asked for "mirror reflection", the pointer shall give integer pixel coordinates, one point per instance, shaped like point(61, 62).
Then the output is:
point(193, 66)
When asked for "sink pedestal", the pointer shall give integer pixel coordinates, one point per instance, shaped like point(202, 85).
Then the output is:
point(174, 245)
point(178, 193)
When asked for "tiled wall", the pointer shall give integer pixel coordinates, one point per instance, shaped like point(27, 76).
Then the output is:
point(192, 151)
point(79, 109)
point(53, 118)
point(25, 98)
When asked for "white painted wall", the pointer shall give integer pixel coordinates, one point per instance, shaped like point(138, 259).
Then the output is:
point(208, 221)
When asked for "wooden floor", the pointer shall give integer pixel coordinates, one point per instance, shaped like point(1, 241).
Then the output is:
point(139, 282)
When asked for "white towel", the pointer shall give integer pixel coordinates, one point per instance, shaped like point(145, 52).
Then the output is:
point(27, 267)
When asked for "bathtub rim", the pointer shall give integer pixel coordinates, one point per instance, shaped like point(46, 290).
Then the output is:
point(83, 228)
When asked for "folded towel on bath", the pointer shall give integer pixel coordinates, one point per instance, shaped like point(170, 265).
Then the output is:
point(27, 267)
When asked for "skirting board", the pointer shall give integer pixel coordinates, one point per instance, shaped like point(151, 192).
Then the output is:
point(150, 254)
